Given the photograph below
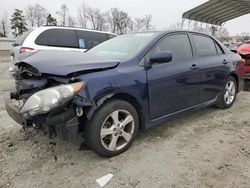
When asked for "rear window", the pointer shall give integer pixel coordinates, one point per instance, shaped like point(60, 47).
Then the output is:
point(89, 39)
point(204, 45)
point(58, 38)
point(20, 40)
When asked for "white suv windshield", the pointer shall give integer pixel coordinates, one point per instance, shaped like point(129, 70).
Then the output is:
point(123, 47)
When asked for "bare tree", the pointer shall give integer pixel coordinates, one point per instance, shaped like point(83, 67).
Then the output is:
point(243, 36)
point(139, 24)
point(82, 15)
point(63, 14)
point(144, 23)
point(119, 21)
point(223, 32)
point(36, 15)
point(30, 15)
point(4, 27)
point(71, 21)
point(101, 21)
point(148, 21)
point(40, 15)
point(96, 18)
point(177, 25)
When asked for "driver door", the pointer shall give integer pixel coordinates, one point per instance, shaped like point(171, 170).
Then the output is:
point(175, 85)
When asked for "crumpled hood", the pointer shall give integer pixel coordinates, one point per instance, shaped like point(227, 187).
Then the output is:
point(63, 63)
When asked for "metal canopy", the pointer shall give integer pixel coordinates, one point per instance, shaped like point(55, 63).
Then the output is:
point(217, 12)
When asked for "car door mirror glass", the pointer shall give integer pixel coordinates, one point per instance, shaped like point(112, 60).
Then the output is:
point(161, 57)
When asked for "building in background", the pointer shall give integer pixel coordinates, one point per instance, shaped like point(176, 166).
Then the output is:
point(5, 46)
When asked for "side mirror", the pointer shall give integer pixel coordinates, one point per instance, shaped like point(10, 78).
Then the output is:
point(234, 51)
point(161, 57)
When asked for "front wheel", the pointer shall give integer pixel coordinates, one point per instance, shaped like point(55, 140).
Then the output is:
point(228, 95)
point(112, 129)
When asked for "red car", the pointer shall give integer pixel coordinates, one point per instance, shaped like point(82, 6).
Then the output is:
point(244, 50)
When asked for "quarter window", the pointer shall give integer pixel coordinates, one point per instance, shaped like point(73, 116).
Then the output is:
point(58, 38)
point(178, 44)
point(204, 45)
point(219, 50)
point(89, 39)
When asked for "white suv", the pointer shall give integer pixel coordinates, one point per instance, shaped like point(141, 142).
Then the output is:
point(57, 38)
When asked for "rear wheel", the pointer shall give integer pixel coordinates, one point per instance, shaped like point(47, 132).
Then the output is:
point(227, 97)
point(112, 129)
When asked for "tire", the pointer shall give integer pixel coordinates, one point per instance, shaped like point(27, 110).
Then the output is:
point(224, 100)
point(107, 134)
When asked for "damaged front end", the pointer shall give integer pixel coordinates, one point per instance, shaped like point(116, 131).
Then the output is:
point(46, 101)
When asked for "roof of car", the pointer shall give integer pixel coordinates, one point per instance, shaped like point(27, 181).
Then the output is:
point(166, 31)
point(77, 28)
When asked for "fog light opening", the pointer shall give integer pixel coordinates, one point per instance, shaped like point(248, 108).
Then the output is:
point(79, 111)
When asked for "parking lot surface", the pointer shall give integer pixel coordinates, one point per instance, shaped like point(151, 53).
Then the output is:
point(209, 148)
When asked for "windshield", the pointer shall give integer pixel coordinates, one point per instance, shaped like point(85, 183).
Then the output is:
point(123, 47)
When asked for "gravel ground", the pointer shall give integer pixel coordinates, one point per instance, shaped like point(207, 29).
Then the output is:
point(209, 148)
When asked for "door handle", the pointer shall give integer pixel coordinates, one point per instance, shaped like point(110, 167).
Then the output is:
point(194, 66)
point(225, 62)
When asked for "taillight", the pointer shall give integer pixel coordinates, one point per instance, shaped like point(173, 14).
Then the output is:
point(26, 49)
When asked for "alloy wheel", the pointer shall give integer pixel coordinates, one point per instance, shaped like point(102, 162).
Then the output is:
point(117, 130)
point(230, 91)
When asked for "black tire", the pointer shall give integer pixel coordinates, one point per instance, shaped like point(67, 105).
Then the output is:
point(221, 103)
point(94, 126)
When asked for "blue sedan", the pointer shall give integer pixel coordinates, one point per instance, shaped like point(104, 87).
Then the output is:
point(129, 83)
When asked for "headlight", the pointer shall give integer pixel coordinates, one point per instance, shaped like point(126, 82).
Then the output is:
point(47, 99)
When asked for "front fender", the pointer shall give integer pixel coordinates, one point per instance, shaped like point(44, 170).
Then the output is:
point(103, 85)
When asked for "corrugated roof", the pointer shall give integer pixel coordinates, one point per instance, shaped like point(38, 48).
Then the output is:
point(217, 12)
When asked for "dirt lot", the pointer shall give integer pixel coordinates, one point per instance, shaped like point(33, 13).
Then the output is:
point(209, 148)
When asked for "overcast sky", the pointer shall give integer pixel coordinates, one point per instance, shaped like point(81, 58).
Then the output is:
point(165, 13)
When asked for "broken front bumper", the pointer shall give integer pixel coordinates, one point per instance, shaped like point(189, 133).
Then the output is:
point(61, 122)
point(14, 112)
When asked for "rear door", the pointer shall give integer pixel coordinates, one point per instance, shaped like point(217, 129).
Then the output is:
point(213, 65)
point(173, 86)
point(57, 39)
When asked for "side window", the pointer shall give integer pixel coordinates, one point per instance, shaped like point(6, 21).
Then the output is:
point(204, 45)
point(218, 48)
point(58, 38)
point(111, 36)
point(178, 44)
point(89, 39)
